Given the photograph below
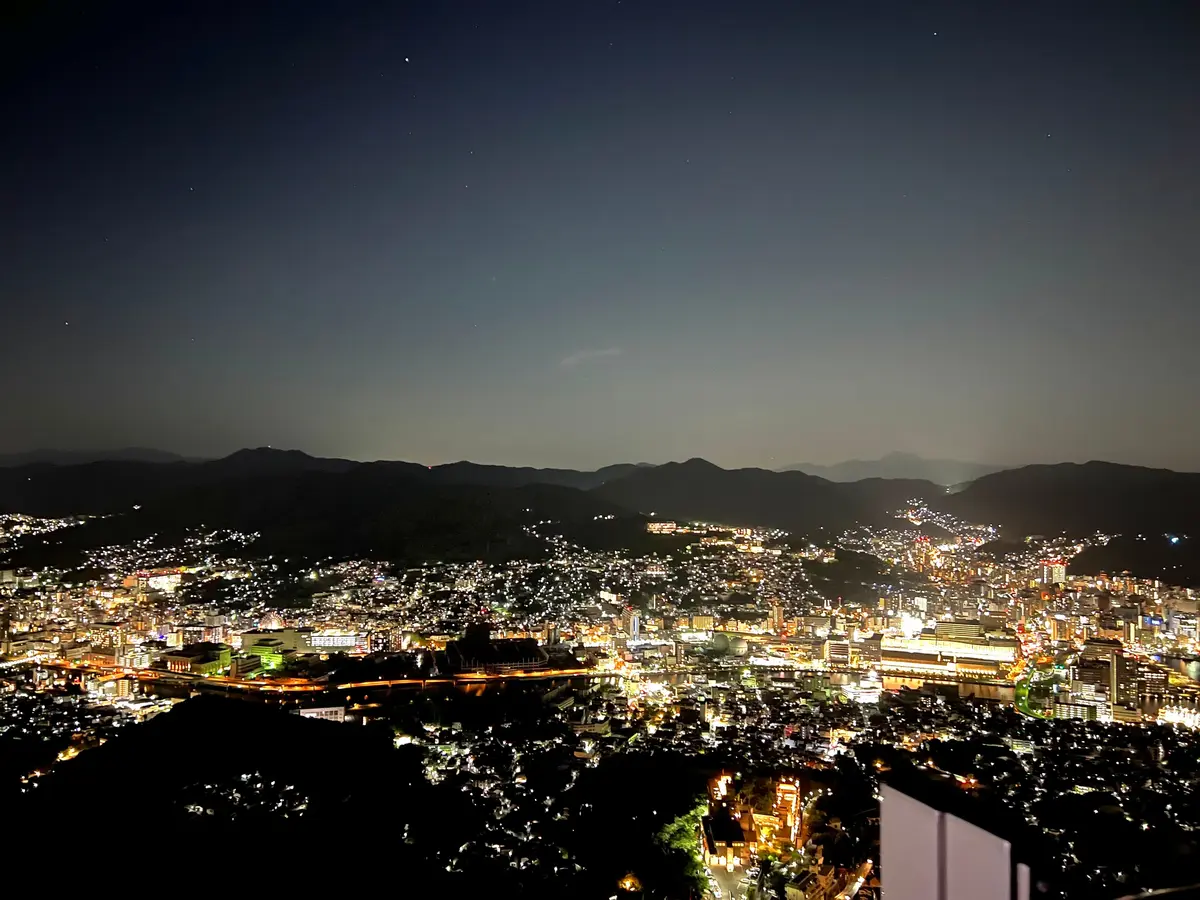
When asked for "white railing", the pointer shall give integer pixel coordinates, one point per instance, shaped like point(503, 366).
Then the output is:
point(928, 854)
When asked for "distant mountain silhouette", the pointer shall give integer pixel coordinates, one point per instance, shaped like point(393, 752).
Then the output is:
point(505, 476)
point(78, 457)
point(269, 461)
point(899, 465)
point(111, 486)
point(306, 506)
point(698, 489)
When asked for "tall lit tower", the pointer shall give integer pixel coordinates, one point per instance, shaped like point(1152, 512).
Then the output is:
point(633, 625)
point(1054, 571)
point(777, 617)
point(921, 552)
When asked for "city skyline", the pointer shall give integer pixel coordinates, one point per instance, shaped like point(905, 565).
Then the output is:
point(761, 234)
point(647, 449)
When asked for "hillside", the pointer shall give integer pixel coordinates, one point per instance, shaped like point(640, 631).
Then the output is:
point(379, 510)
point(793, 501)
point(1156, 512)
point(307, 506)
point(1173, 560)
point(110, 486)
point(231, 774)
point(1081, 499)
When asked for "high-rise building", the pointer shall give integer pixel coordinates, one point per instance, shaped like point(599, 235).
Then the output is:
point(633, 624)
point(1054, 571)
point(1066, 710)
point(1091, 685)
point(1106, 678)
point(777, 625)
point(921, 553)
point(1152, 680)
point(384, 640)
point(836, 650)
point(871, 648)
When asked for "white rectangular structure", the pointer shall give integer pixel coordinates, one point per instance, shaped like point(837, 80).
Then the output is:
point(978, 864)
point(325, 713)
point(928, 854)
point(910, 845)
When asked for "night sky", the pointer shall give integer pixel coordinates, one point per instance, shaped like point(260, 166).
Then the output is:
point(576, 233)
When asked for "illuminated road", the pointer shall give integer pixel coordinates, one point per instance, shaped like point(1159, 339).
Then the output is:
point(8, 664)
point(1021, 695)
point(304, 686)
point(481, 677)
point(860, 878)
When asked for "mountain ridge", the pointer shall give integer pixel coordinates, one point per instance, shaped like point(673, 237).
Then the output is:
point(114, 485)
point(383, 511)
point(793, 501)
point(306, 505)
point(899, 465)
point(1081, 498)
point(53, 457)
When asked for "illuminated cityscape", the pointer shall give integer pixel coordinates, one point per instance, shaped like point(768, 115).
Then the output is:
point(776, 660)
point(605, 450)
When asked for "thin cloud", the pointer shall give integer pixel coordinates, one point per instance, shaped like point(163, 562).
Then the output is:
point(583, 356)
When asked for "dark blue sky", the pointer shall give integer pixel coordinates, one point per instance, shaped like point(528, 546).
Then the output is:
point(576, 233)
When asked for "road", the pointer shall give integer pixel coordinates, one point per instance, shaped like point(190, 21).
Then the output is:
point(856, 882)
point(728, 882)
point(23, 661)
point(1021, 695)
point(303, 685)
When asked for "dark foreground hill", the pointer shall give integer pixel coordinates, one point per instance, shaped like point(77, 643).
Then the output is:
point(236, 777)
point(217, 741)
point(234, 780)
